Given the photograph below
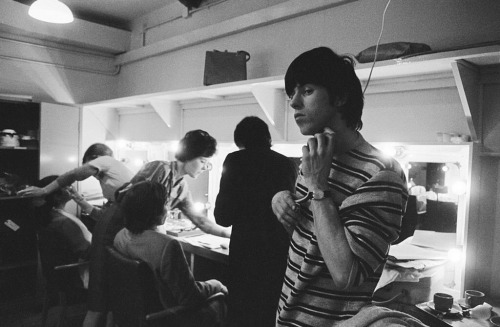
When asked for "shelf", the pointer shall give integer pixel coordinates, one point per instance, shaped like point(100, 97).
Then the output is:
point(17, 265)
point(456, 70)
point(419, 65)
point(16, 148)
point(12, 198)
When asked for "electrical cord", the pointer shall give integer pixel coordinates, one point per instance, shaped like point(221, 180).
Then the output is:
point(376, 47)
point(392, 299)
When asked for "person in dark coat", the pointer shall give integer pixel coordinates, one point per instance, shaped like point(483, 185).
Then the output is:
point(259, 243)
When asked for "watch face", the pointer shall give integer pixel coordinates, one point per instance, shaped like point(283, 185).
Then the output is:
point(318, 195)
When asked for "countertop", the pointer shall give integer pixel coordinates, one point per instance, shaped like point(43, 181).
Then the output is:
point(207, 246)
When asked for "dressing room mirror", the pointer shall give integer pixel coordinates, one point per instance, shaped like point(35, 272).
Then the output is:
point(435, 191)
point(438, 178)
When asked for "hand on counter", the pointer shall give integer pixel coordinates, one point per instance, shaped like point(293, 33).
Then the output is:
point(32, 191)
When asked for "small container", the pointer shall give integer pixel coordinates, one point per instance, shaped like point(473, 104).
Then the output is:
point(456, 139)
point(9, 138)
point(495, 321)
point(28, 141)
point(446, 138)
point(474, 298)
point(443, 302)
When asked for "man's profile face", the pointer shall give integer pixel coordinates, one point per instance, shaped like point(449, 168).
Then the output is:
point(312, 108)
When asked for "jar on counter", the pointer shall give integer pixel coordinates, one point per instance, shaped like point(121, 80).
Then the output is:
point(9, 138)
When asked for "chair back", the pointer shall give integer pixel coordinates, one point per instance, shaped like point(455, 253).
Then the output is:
point(54, 251)
point(132, 289)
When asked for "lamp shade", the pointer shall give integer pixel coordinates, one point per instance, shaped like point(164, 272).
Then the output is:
point(51, 11)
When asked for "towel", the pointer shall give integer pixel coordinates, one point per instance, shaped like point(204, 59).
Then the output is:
point(374, 316)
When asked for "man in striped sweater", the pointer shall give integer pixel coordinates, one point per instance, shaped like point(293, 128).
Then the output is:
point(349, 198)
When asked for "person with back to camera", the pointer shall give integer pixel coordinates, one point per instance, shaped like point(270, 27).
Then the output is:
point(71, 236)
point(259, 243)
point(192, 158)
point(348, 202)
point(144, 209)
point(98, 161)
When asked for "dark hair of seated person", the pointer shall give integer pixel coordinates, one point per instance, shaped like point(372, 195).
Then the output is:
point(43, 209)
point(144, 206)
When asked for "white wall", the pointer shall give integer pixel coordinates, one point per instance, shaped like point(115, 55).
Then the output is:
point(348, 28)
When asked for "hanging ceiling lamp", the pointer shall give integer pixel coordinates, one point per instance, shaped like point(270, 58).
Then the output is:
point(51, 11)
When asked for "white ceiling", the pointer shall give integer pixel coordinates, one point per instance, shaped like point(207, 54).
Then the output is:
point(114, 13)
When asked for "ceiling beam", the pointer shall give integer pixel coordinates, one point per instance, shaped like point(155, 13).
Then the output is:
point(467, 78)
point(283, 11)
point(272, 102)
point(14, 19)
point(169, 111)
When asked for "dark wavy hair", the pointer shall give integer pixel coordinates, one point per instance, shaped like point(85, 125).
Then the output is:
point(196, 144)
point(322, 66)
point(252, 132)
point(143, 205)
point(96, 150)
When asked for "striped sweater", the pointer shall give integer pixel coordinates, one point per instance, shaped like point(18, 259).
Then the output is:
point(369, 190)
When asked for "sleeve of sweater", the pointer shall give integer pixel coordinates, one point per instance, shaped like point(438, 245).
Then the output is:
point(372, 219)
point(176, 273)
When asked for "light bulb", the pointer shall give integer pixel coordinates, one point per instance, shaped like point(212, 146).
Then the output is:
point(459, 187)
point(198, 206)
point(455, 255)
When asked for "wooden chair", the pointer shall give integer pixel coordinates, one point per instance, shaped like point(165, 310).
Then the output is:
point(134, 299)
point(60, 270)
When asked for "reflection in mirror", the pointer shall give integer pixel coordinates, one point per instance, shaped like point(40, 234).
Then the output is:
point(432, 186)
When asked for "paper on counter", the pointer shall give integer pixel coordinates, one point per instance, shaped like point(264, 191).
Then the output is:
point(435, 240)
point(416, 264)
point(408, 271)
point(388, 276)
point(207, 240)
point(407, 251)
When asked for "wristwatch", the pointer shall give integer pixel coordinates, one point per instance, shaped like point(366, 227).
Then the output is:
point(320, 194)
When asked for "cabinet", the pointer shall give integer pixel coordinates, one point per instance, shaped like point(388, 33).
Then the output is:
point(18, 166)
point(53, 150)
